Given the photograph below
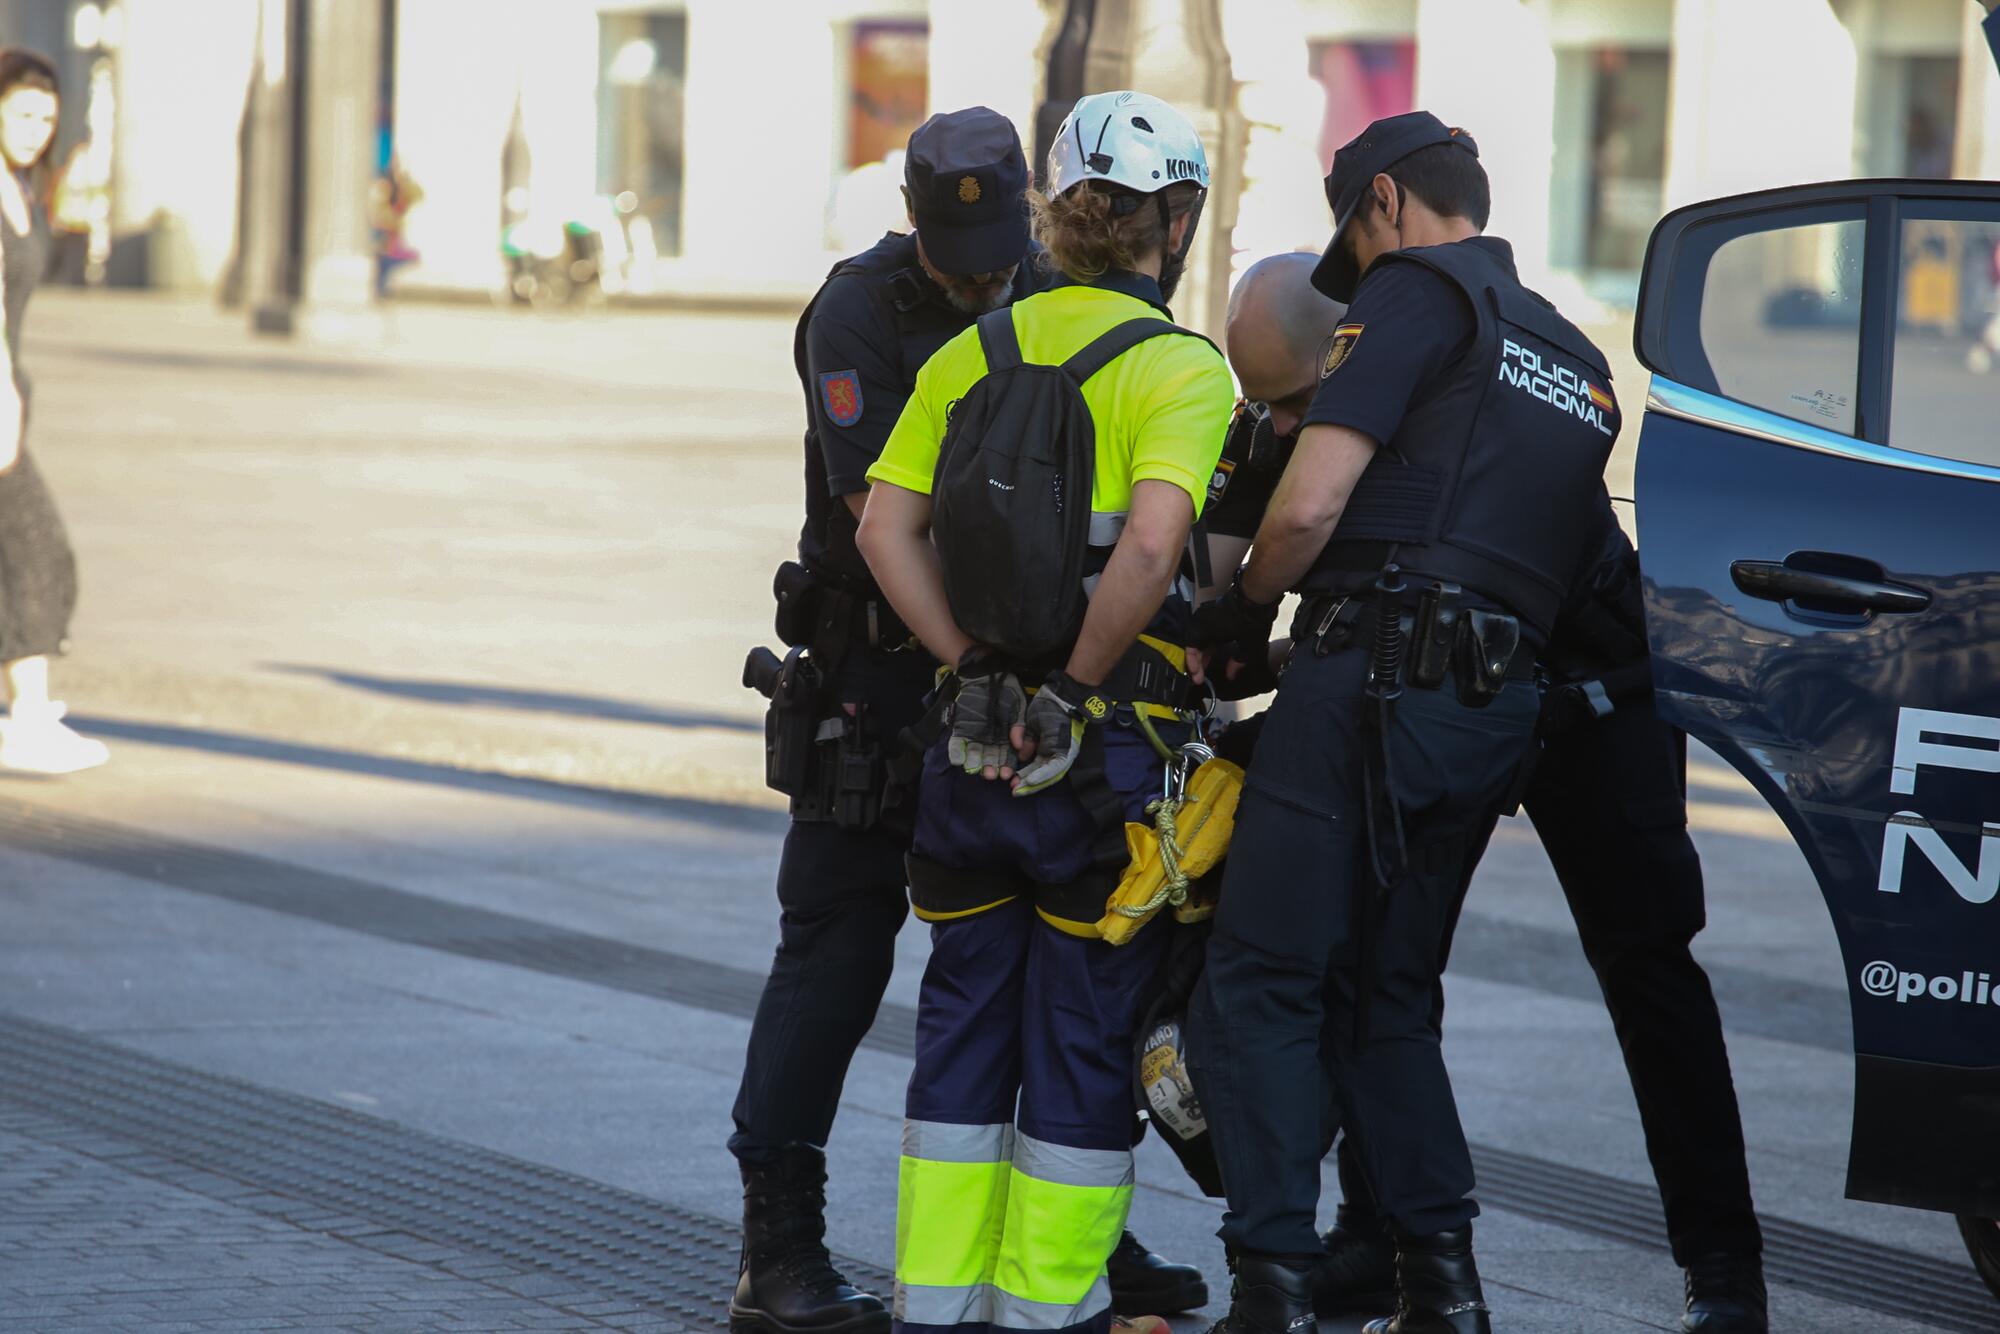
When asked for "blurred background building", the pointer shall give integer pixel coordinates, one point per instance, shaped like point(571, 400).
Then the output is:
point(730, 150)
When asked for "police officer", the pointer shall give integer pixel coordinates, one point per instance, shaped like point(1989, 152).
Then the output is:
point(1608, 800)
point(860, 343)
point(1017, 1166)
point(1433, 513)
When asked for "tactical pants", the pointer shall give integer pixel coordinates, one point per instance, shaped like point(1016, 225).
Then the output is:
point(1609, 805)
point(842, 901)
point(1016, 1174)
point(1303, 940)
point(1607, 800)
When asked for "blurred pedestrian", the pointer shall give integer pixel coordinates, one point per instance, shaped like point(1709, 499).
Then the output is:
point(37, 567)
point(391, 196)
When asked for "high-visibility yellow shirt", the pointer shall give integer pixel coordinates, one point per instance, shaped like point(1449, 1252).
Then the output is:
point(1161, 410)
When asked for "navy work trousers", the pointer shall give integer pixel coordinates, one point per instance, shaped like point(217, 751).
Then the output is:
point(1020, 1117)
point(1304, 938)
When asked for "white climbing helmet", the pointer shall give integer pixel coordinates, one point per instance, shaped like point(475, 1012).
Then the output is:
point(1129, 139)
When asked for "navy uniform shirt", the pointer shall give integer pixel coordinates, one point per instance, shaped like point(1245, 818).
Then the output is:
point(858, 351)
point(1406, 326)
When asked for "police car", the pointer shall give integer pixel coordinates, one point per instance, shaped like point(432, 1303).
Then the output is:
point(1818, 495)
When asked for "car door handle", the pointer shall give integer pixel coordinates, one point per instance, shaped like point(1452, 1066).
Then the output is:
point(1776, 581)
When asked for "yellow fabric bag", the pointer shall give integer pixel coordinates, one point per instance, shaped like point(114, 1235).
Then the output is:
point(1184, 842)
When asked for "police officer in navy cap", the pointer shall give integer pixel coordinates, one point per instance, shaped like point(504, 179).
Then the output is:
point(1608, 801)
point(1437, 504)
point(841, 887)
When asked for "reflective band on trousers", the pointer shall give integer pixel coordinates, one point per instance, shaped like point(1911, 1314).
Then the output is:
point(951, 1203)
point(1065, 1210)
point(1020, 1245)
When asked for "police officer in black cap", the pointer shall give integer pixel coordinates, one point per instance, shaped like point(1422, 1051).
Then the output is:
point(1608, 801)
point(877, 319)
point(1435, 509)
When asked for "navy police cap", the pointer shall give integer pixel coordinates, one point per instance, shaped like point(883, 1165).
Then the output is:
point(968, 180)
point(1370, 153)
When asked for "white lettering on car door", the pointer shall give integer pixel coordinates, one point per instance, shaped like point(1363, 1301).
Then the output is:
point(1907, 827)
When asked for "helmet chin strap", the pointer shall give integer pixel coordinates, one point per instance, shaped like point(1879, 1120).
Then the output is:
point(1173, 266)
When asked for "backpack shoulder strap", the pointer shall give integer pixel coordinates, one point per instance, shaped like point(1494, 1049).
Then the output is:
point(1114, 343)
point(997, 340)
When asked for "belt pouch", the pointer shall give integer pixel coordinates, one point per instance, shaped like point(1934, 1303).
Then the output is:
point(1487, 642)
point(796, 589)
point(858, 777)
point(1438, 616)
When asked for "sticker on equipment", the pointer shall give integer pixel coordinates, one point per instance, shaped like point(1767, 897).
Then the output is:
point(841, 393)
point(1219, 482)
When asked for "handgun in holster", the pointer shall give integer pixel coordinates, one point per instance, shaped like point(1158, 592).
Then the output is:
point(791, 724)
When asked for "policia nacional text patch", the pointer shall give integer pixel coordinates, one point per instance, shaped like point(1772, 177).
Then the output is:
point(1343, 341)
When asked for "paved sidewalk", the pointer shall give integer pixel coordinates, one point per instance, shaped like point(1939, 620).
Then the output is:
point(396, 973)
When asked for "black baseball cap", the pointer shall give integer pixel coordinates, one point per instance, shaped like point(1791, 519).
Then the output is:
point(968, 180)
point(1376, 149)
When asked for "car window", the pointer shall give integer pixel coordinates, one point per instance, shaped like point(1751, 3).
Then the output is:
point(1781, 320)
point(1945, 398)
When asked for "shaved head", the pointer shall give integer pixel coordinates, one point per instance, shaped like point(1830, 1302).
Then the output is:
point(1278, 323)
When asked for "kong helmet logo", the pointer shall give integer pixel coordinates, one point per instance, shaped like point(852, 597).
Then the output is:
point(1555, 384)
point(1182, 169)
point(1338, 347)
point(841, 392)
point(968, 190)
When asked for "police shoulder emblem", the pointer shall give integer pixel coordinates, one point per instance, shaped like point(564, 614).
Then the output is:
point(840, 391)
point(968, 189)
point(1343, 341)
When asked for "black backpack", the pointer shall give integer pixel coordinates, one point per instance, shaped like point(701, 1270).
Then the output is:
point(1010, 503)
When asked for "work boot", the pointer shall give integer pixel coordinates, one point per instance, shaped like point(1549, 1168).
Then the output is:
point(1437, 1287)
point(1268, 1297)
point(1358, 1276)
point(787, 1283)
point(1143, 1283)
point(1725, 1295)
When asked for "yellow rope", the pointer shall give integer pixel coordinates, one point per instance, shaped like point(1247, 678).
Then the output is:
point(1164, 813)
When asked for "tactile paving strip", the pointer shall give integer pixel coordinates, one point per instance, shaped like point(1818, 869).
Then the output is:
point(364, 1179)
point(388, 913)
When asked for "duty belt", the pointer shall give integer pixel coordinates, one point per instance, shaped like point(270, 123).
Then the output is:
point(1330, 622)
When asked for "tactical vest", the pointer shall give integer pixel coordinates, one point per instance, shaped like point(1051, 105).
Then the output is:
point(1491, 480)
point(905, 299)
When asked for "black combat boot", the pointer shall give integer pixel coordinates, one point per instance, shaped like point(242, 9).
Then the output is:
point(1143, 1283)
point(788, 1284)
point(1725, 1295)
point(1268, 1296)
point(1358, 1276)
point(1437, 1287)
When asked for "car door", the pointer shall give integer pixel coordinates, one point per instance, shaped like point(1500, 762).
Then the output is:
point(1818, 492)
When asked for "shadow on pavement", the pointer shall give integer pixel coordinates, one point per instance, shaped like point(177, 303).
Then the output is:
point(524, 701)
point(723, 814)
